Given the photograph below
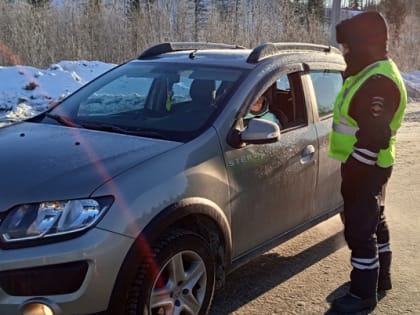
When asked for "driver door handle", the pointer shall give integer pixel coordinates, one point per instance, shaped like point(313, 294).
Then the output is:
point(307, 154)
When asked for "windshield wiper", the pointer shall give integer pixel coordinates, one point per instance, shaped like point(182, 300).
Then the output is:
point(129, 131)
point(62, 120)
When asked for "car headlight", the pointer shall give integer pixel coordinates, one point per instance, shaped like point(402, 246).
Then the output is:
point(52, 218)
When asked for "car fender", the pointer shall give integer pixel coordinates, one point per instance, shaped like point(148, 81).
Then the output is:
point(190, 207)
point(176, 215)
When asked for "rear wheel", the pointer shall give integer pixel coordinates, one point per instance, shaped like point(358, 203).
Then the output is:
point(177, 278)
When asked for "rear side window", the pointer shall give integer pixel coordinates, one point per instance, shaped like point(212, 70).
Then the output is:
point(326, 85)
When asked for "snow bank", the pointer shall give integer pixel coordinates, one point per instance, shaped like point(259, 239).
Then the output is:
point(26, 91)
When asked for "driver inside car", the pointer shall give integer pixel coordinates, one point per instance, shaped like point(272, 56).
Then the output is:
point(260, 109)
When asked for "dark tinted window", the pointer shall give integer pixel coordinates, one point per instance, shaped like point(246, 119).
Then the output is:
point(288, 103)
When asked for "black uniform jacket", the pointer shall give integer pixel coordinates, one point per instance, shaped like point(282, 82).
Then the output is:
point(373, 106)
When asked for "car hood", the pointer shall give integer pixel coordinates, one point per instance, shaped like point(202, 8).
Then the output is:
point(40, 162)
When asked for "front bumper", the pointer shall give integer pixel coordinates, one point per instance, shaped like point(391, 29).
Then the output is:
point(93, 260)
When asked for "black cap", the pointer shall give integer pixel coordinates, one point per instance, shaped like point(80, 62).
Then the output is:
point(364, 28)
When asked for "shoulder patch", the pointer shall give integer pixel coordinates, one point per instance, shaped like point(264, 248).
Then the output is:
point(376, 106)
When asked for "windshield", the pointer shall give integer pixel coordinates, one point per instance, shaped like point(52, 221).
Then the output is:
point(170, 101)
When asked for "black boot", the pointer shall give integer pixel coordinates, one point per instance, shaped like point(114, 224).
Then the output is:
point(362, 293)
point(350, 303)
point(384, 284)
point(384, 279)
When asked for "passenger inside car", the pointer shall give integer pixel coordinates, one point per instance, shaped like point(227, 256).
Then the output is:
point(202, 93)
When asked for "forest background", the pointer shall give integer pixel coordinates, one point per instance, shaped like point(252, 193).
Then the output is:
point(42, 32)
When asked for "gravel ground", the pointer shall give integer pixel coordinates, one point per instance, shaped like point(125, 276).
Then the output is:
point(304, 274)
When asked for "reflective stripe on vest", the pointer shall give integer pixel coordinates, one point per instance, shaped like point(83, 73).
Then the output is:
point(349, 130)
point(344, 129)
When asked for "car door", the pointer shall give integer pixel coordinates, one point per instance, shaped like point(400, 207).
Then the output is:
point(272, 185)
point(325, 85)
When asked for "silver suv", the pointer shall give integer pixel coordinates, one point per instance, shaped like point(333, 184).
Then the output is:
point(139, 192)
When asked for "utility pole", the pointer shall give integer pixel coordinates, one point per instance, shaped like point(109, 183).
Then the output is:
point(335, 18)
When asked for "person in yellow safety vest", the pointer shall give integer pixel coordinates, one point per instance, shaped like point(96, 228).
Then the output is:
point(368, 111)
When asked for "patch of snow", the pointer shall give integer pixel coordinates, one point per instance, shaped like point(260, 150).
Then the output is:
point(412, 83)
point(26, 91)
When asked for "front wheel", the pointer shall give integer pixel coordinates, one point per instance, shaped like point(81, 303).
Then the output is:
point(178, 278)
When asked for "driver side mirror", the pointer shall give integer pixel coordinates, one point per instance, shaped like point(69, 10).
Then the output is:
point(258, 131)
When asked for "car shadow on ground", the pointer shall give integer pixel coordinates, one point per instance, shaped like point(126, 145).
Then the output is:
point(268, 271)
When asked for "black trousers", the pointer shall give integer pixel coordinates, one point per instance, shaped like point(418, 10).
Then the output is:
point(365, 226)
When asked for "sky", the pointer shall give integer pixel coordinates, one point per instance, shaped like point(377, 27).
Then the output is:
point(26, 91)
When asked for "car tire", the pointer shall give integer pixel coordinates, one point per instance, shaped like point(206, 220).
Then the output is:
point(178, 277)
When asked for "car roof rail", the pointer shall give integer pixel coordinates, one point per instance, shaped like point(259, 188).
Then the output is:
point(179, 46)
point(270, 49)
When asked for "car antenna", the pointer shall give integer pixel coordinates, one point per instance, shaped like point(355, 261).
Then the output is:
point(192, 54)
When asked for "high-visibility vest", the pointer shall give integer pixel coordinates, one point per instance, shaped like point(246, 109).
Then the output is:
point(343, 134)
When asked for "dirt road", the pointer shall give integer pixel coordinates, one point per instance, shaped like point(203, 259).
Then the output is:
point(302, 275)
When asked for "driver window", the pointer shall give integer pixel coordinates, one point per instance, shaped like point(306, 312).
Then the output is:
point(288, 103)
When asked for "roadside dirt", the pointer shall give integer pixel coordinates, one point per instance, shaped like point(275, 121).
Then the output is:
point(304, 274)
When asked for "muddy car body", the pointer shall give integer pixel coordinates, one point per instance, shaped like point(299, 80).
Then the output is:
point(139, 192)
